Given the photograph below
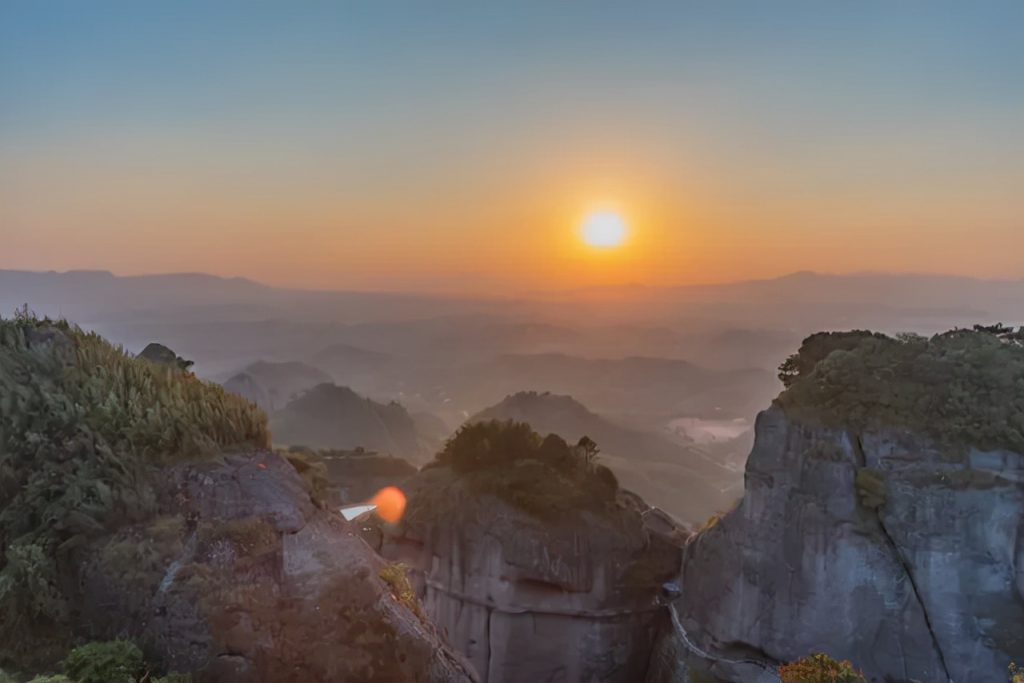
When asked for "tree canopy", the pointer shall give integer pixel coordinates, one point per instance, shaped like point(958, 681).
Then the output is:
point(963, 387)
point(542, 475)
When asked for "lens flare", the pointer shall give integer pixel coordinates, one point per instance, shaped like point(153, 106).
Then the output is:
point(390, 502)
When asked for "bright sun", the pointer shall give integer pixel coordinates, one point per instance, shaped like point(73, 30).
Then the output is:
point(604, 229)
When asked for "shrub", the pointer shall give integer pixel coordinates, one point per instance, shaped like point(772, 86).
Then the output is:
point(541, 476)
point(481, 445)
point(1016, 673)
point(396, 576)
point(116, 661)
point(173, 677)
point(820, 668)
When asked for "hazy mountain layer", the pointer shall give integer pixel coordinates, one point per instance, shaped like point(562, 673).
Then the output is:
point(682, 480)
point(333, 417)
point(273, 385)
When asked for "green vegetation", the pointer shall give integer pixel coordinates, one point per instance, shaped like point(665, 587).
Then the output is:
point(542, 476)
point(112, 662)
point(81, 425)
point(820, 668)
point(396, 576)
point(1016, 673)
point(116, 661)
point(963, 388)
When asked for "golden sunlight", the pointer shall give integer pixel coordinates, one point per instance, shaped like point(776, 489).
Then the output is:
point(604, 229)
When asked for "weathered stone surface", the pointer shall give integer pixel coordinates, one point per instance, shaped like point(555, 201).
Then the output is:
point(924, 583)
point(245, 579)
point(525, 599)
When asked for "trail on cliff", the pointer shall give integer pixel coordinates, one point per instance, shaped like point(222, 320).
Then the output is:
point(765, 673)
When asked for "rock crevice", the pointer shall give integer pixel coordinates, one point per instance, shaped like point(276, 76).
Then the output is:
point(877, 517)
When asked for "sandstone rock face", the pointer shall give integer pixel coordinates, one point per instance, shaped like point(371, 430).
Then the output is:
point(244, 578)
point(878, 547)
point(527, 599)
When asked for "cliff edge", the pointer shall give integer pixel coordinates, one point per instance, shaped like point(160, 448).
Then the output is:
point(883, 516)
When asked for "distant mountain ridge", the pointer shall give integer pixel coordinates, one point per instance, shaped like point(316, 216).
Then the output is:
point(651, 385)
point(99, 289)
point(94, 296)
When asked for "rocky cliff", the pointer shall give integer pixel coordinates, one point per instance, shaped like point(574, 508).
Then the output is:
point(138, 502)
point(242, 578)
point(883, 517)
point(537, 572)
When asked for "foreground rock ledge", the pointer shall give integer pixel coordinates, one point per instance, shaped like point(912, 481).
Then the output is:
point(245, 579)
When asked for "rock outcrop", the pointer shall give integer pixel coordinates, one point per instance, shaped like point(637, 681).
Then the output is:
point(529, 597)
point(138, 502)
point(870, 533)
point(243, 578)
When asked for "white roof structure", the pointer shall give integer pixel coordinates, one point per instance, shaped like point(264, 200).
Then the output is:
point(354, 512)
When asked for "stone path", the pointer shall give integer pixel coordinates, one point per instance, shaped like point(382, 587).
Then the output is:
point(747, 669)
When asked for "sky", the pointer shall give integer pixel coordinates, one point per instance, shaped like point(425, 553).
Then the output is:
point(457, 146)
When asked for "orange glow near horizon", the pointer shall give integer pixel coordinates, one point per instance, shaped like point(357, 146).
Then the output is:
point(511, 234)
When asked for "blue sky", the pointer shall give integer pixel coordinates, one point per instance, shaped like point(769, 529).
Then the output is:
point(392, 134)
